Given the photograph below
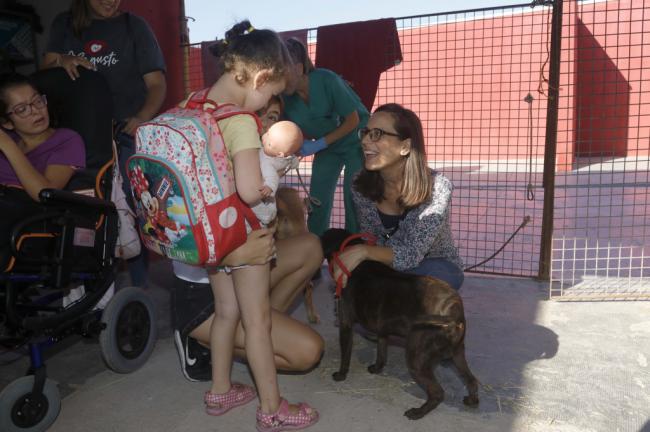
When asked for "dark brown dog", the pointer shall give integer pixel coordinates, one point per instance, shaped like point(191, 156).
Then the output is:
point(291, 221)
point(427, 312)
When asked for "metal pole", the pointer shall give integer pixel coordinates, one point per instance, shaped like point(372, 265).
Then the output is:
point(550, 147)
point(184, 43)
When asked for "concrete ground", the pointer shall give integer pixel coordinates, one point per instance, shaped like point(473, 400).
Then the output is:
point(543, 365)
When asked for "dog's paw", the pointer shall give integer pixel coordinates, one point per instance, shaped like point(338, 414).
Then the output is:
point(415, 413)
point(339, 376)
point(374, 369)
point(471, 400)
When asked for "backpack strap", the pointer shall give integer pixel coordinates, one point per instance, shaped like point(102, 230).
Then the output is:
point(199, 100)
point(229, 110)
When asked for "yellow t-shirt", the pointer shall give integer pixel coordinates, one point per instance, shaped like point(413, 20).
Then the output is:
point(240, 133)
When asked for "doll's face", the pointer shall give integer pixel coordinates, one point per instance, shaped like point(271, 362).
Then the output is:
point(282, 139)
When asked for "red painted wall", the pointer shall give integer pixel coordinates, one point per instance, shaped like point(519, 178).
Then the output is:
point(612, 95)
point(165, 18)
point(467, 80)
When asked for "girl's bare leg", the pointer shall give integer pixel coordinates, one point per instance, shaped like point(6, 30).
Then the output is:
point(221, 331)
point(252, 291)
point(297, 347)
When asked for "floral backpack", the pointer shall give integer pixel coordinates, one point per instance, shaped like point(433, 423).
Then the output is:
point(183, 184)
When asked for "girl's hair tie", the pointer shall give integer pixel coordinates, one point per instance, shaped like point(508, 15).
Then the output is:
point(250, 29)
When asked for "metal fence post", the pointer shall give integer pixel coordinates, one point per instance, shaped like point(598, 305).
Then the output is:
point(550, 147)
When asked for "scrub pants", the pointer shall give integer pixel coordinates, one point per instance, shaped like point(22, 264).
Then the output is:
point(326, 170)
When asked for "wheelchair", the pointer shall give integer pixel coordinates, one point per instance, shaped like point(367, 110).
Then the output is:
point(68, 240)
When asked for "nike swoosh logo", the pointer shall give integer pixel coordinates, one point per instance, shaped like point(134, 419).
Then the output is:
point(190, 361)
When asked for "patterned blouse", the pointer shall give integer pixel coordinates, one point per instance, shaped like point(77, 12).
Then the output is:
point(423, 233)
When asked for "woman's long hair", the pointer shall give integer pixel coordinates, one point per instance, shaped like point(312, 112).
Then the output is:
point(81, 17)
point(299, 54)
point(416, 183)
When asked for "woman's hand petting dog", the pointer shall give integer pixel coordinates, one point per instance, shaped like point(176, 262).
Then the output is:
point(351, 257)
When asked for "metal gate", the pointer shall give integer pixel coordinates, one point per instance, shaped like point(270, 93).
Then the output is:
point(601, 217)
point(537, 113)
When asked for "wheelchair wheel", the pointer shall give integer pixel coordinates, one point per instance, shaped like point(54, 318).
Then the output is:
point(130, 333)
point(21, 411)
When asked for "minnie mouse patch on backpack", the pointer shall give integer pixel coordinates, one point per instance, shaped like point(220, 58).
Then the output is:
point(183, 183)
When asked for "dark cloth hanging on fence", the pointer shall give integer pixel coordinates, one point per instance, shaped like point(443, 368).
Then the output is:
point(359, 52)
point(301, 35)
point(210, 65)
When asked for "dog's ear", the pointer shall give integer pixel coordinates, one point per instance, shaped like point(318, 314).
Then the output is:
point(331, 240)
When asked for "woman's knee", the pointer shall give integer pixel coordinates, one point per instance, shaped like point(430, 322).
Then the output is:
point(441, 268)
point(307, 352)
point(313, 251)
point(305, 251)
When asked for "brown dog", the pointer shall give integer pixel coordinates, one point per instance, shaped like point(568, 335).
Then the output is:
point(291, 221)
point(427, 312)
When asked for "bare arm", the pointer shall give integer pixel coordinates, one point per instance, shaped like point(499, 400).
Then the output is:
point(156, 84)
point(67, 62)
point(349, 124)
point(56, 176)
point(248, 175)
point(354, 255)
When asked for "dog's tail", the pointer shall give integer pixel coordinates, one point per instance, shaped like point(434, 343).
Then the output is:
point(449, 325)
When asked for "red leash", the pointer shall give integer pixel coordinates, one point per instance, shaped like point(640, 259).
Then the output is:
point(368, 238)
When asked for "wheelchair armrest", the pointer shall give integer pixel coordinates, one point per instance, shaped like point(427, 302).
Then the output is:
point(58, 196)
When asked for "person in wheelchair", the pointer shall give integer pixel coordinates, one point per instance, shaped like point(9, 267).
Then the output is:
point(33, 155)
point(61, 229)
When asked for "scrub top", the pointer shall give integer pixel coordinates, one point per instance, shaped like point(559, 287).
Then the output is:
point(330, 101)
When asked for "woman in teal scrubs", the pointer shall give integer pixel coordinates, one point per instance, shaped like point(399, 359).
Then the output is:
point(330, 113)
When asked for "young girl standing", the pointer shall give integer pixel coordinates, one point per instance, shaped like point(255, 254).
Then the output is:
point(254, 69)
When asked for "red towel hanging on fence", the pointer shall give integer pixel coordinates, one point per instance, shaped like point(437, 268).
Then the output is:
point(210, 65)
point(359, 52)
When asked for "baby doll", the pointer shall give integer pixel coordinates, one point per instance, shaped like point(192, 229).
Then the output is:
point(279, 144)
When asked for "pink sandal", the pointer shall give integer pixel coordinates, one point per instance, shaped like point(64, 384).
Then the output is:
point(218, 404)
point(283, 419)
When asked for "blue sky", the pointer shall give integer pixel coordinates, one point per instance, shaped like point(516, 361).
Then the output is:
point(213, 18)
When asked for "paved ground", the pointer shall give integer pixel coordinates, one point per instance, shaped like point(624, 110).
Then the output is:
point(543, 365)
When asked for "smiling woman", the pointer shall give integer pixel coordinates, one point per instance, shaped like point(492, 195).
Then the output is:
point(402, 202)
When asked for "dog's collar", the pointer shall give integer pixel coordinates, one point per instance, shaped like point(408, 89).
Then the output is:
point(367, 237)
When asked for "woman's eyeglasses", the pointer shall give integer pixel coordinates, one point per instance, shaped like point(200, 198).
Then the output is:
point(375, 134)
point(25, 109)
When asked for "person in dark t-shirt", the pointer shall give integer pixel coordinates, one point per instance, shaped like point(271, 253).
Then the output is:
point(97, 35)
